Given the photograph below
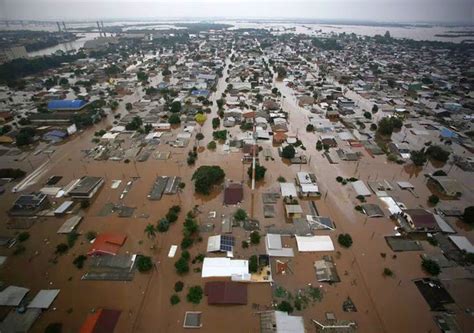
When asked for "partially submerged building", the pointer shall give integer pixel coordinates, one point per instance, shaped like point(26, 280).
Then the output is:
point(29, 204)
point(86, 187)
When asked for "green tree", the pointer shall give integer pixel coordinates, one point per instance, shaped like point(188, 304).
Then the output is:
point(216, 122)
point(174, 299)
point(181, 266)
point(319, 145)
point(128, 106)
point(144, 264)
point(205, 177)
point(255, 237)
point(468, 216)
point(175, 107)
point(437, 153)
point(194, 294)
point(431, 267)
point(310, 128)
point(433, 199)
point(240, 214)
point(375, 108)
point(253, 264)
point(260, 171)
point(163, 225)
point(178, 286)
point(174, 119)
point(288, 152)
point(418, 157)
point(385, 127)
point(345, 240)
point(285, 306)
point(150, 231)
point(211, 145)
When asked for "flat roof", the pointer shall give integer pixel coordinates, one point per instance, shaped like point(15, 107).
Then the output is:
point(314, 243)
point(224, 267)
point(86, 185)
point(44, 299)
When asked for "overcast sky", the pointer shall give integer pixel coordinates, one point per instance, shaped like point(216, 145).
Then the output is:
point(456, 11)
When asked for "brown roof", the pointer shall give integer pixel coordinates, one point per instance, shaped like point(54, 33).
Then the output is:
point(233, 194)
point(225, 292)
point(422, 219)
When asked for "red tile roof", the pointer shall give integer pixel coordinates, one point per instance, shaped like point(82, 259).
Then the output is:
point(102, 321)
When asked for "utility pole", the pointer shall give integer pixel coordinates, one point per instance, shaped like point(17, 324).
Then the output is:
point(254, 150)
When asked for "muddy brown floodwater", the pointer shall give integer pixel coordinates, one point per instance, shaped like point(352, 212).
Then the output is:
point(384, 304)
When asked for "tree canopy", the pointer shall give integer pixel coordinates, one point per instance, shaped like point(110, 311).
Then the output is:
point(205, 177)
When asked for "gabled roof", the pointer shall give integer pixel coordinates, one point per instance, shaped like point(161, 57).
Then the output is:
point(108, 243)
point(102, 321)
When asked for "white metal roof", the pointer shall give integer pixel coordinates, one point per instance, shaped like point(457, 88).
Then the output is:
point(224, 267)
point(314, 243)
point(288, 324)
point(172, 251)
point(361, 188)
point(274, 247)
point(12, 295)
point(44, 299)
point(405, 185)
point(462, 243)
point(303, 177)
point(288, 189)
point(309, 188)
point(391, 204)
point(70, 224)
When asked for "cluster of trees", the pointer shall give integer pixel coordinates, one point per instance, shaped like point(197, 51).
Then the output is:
point(220, 135)
point(134, 124)
point(205, 177)
point(11, 72)
point(387, 125)
point(437, 153)
point(326, 43)
point(25, 136)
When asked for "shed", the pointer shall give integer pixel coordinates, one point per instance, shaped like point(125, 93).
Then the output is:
point(70, 224)
point(314, 243)
point(63, 208)
point(44, 299)
point(225, 292)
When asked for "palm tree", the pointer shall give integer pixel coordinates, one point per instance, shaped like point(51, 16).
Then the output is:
point(150, 231)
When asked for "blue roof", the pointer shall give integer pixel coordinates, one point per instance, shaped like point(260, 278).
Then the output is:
point(447, 133)
point(200, 92)
point(66, 104)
